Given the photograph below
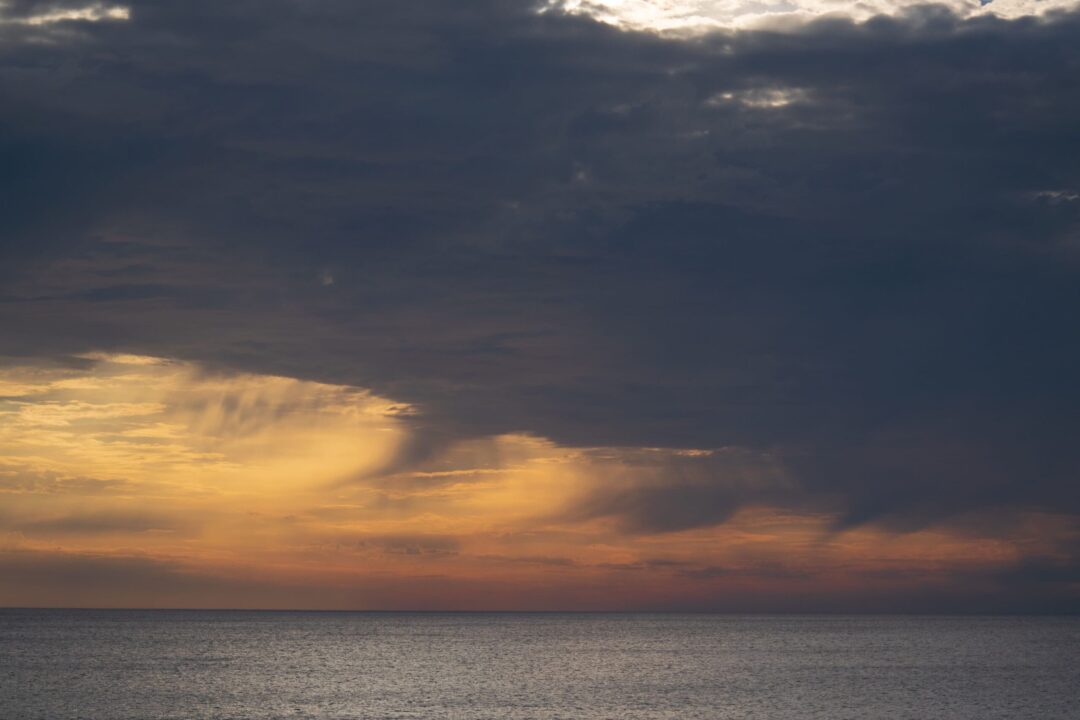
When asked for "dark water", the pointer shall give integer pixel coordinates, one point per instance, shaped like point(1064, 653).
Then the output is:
point(58, 665)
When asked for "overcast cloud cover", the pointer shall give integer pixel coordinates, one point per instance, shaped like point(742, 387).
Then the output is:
point(847, 254)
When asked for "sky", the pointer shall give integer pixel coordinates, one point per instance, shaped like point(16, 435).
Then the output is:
point(682, 305)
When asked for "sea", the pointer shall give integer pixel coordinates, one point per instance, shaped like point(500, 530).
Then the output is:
point(145, 665)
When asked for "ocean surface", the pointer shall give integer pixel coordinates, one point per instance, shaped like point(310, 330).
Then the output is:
point(143, 665)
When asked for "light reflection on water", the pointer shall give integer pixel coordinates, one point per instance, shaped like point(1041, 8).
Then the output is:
point(121, 665)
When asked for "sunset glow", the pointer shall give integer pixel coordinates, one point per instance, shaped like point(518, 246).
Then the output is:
point(705, 305)
point(152, 468)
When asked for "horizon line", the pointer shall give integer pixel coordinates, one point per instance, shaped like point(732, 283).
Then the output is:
point(831, 613)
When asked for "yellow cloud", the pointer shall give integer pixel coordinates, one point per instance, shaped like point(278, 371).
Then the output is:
point(151, 420)
point(289, 482)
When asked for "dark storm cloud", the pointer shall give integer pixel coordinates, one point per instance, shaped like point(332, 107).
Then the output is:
point(654, 491)
point(854, 246)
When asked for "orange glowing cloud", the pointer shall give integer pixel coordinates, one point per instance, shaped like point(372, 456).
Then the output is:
point(131, 480)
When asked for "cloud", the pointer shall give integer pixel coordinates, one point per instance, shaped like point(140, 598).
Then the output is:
point(695, 17)
point(96, 523)
point(19, 477)
point(767, 570)
point(846, 251)
point(36, 578)
point(135, 417)
point(777, 277)
point(416, 544)
point(49, 13)
point(665, 491)
point(86, 580)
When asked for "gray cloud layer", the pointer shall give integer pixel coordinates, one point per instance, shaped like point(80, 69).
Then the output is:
point(852, 246)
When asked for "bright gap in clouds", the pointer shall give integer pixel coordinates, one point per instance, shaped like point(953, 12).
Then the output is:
point(96, 12)
point(699, 16)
